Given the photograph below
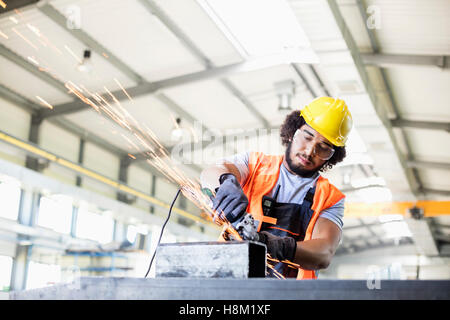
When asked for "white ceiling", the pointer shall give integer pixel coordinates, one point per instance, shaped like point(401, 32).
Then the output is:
point(148, 47)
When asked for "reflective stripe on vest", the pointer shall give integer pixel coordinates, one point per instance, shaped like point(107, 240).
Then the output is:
point(263, 176)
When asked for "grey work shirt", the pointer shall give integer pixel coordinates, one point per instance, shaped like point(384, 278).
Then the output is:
point(293, 188)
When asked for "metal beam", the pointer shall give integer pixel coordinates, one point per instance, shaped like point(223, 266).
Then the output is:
point(246, 102)
point(316, 75)
point(395, 60)
point(428, 165)
point(18, 100)
point(91, 43)
point(302, 76)
point(402, 123)
point(33, 69)
point(80, 161)
point(445, 193)
point(78, 105)
point(152, 88)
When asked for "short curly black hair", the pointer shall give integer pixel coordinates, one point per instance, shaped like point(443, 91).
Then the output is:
point(294, 121)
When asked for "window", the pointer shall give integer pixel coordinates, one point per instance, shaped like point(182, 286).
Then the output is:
point(131, 233)
point(9, 198)
point(42, 275)
point(94, 226)
point(5, 272)
point(55, 212)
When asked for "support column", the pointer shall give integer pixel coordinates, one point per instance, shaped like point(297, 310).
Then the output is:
point(33, 136)
point(152, 193)
point(28, 209)
point(125, 162)
point(80, 160)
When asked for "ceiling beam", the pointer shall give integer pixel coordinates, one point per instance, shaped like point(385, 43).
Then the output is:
point(445, 193)
point(32, 68)
point(428, 165)
point(402, 123)
point(154, 87)
point(383, 60)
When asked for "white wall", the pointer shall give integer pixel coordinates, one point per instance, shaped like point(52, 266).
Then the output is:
point(14, 120)
point(139, 179)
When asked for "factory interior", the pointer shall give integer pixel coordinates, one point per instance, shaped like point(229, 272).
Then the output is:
point(109, 107)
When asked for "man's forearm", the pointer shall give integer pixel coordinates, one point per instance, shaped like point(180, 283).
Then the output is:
point(313, 254)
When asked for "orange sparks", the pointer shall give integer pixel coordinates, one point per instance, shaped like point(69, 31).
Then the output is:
point(73, 54)
point(123, 89)
point(17, 11)
point(34, 29)
point(2, 4)
point(4, 35)
point(14, 20)
point(33, 60)
point(44, 103)
point(105, 55)
point(24, 38)
point(157, 156)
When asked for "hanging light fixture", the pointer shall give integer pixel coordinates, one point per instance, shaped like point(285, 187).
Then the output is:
point(86, 65)
point(285, 91)
point(177, 131)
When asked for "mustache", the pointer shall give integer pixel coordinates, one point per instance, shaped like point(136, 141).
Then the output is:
point(304, 156)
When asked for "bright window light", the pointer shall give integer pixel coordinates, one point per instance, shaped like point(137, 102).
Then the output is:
point(131, 233)
point(55, 212)
point(390, 218)
point(259, 28)
point(355, 143)
point(375, 194)
point(370, 181)
point(396, 229)
point(5, 272)
point(42, 275)
point(9, 198)
point(94, 226)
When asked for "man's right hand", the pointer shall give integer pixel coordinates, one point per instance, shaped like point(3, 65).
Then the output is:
point(230, 198)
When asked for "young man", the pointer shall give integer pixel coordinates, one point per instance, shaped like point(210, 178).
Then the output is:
point(298, 212)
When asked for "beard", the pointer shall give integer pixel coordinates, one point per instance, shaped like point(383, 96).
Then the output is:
point(299, 169)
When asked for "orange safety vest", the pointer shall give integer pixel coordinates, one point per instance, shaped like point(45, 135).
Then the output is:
point(263, 176)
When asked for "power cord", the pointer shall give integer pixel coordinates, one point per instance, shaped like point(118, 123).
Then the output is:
point(162, 231)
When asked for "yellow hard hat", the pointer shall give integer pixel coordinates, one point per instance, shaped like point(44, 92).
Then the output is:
point(330, 117)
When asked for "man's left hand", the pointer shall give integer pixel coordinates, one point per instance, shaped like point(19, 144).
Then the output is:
point(280, 248)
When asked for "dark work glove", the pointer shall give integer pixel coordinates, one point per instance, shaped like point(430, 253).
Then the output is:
point(230, 198)
point(280, 248)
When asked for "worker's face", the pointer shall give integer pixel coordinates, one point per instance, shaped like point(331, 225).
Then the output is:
point(308, 151)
